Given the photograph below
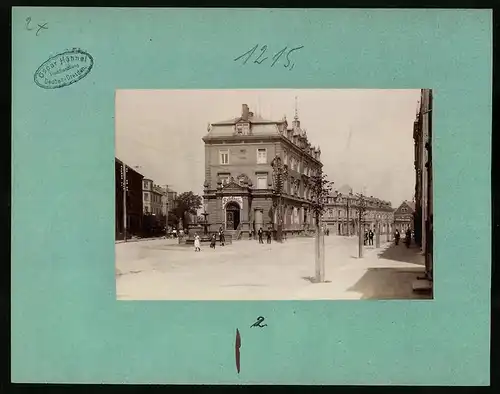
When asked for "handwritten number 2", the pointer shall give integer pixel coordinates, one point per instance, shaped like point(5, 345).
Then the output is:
point(262, 50)
point(260, 319)
point(28, 21)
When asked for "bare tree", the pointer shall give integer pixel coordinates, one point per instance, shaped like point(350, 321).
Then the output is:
point(321, 188)
point(361, 207)
point(280, 174)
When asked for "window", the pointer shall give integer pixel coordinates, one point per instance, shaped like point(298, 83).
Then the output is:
point(146, 196)
point(261, 156)
point(261, 181)
point(285, 157)
point(224, 156)
point(340, 213)
point(145, 185)
point(403, 209)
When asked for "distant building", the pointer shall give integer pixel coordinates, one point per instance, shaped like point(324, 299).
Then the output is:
point(154, 198)
point(239, 188)
point(133, 200)
point(341, 213)
point(403, 216)
point(424, 207)
point(171, 199)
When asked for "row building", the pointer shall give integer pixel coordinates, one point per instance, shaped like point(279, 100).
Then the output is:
point(141, 206)
point(128, 201)
point(240, 188)
point(424, 207)
point(341, 213)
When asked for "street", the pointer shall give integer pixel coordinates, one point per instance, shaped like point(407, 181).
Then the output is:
point(246, 270)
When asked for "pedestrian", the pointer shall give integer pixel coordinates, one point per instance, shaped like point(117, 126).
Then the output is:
point(213, 240)
point(284, 235)
point(408, 237)
point(197, 247)
point(396, 236)
point(259, 233)
point(222, 238)
point(370, 237)
point(269, 235)
point(366, 237)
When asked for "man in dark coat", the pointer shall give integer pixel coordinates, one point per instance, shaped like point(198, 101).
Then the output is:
point(259, 233)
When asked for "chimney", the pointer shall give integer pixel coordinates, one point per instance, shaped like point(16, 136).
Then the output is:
point(244, 112)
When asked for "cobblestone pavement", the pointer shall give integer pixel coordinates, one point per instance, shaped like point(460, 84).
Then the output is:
point(246, 270)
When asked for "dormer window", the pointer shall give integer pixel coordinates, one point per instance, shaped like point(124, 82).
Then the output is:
point(242, 128)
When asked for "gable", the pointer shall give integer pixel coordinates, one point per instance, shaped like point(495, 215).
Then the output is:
point(232, 185)
point(404, 209)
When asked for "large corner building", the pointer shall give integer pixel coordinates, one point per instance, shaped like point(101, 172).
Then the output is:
point(239, 191)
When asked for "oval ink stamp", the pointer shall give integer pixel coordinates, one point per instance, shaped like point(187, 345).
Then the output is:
point(64, 69)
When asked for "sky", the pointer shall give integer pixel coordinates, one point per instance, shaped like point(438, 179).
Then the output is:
point(365, 136)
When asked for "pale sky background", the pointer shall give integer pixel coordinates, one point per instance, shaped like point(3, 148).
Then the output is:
point(366, 136)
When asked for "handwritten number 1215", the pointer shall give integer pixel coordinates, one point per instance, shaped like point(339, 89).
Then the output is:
point(261, 56)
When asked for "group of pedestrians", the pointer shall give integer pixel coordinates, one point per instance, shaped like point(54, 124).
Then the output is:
point(260, 234)
point(408, 235)
point(213, 240)
point(368, 237)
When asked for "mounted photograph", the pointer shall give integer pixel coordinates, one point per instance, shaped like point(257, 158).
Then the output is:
point(273, 194)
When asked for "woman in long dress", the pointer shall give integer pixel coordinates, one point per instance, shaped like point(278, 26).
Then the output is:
point(197, 243)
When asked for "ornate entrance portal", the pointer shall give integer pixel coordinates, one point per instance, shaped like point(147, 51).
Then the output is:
point(232, 216)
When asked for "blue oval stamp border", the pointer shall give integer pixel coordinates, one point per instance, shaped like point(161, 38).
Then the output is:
point(54, 72)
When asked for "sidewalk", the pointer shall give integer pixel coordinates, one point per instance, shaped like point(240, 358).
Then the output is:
point(385, 273)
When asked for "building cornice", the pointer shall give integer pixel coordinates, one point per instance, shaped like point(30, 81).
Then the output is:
point(238, 139)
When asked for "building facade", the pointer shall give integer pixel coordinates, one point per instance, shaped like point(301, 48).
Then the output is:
point(424, 210)
point(239, 188)
point(341, 214)
point(154, 198)
point(132, 197)
point(171, 198)
point(403, 217)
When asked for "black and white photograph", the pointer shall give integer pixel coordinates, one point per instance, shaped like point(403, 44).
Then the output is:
point(273, 194)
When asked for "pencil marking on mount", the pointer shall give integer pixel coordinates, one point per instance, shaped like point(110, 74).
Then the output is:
point(237, 347)
point(64, 69)
point(260, 319)
point(290, 64)
point(41, 27)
